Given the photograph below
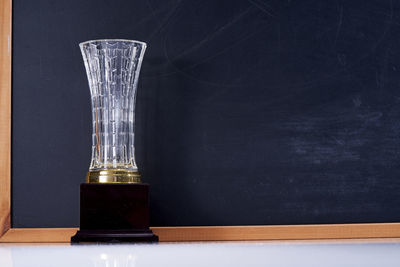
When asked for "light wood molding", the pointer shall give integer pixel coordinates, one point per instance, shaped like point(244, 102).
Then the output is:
point(277, 232)
point(202, 233)
point(227, 233)
point(5, 115)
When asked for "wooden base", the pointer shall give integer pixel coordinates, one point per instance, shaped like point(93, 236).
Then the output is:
point(114, 213)
point(114, 236)
point(373, 232)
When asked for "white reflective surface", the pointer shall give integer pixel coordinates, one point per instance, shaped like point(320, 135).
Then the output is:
point(202, 254)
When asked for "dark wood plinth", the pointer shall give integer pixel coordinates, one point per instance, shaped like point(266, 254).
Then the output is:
point(114, 236)
point(114, 213)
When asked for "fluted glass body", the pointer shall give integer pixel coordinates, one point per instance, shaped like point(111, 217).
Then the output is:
point(113, 67)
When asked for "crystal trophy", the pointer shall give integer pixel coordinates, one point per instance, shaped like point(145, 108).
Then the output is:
point(114, 201)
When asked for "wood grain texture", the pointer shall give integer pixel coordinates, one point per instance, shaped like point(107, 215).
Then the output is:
point(227, 233)
point(38, 235)
point(5, 115)
point(279, 232)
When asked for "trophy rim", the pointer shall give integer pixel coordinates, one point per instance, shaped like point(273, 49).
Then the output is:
point(112, 40)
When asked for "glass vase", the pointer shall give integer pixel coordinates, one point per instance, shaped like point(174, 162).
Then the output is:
point(113, 67)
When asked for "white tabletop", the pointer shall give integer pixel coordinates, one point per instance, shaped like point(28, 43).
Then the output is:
point(203, 254)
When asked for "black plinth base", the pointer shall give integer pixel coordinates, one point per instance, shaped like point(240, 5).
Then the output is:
point(114, 236)
point(114, 213)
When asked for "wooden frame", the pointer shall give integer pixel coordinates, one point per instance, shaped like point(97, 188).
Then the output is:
point(5, 115)
point(204, 233)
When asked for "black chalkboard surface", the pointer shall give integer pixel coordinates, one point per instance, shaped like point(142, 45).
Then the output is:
point(249, 112)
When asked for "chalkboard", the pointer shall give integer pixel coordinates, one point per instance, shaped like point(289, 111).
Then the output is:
point(248, 112)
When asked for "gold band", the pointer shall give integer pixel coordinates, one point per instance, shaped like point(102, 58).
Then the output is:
point(113, 176)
